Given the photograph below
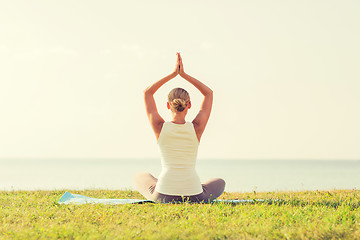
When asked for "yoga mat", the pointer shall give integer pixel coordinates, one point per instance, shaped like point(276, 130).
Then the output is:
point(69, 198)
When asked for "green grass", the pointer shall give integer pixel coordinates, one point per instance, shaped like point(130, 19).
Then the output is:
point(302, 215)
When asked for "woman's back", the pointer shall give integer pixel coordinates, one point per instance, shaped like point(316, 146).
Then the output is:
point(178, 145)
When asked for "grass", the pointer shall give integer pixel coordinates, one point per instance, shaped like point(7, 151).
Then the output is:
point(302, 215)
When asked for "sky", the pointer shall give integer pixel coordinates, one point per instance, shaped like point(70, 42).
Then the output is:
point(285, 76)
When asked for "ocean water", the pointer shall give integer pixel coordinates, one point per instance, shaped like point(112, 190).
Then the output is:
point(240, 175)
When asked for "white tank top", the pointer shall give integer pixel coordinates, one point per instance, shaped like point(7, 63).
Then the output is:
point(178, 145)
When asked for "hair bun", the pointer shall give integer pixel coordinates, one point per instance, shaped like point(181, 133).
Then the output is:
point(179, 104)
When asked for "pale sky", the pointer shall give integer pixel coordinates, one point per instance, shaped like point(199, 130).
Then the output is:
point(285, 76)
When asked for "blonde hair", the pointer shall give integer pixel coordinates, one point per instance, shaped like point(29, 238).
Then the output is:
point(178, 99)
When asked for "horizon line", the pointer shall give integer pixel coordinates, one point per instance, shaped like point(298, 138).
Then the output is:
point(201, 159)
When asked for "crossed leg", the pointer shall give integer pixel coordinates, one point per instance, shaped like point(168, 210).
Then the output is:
point(213, 188)
point(145, 183)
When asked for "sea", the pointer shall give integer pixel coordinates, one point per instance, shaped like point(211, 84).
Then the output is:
point(239, 175)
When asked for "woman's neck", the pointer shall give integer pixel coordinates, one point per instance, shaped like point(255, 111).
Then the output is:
point(178, 118)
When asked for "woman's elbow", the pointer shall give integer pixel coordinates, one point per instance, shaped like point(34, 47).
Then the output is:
point(147, 91)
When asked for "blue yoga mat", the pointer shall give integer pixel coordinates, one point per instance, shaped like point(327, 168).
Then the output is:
point(69, 198)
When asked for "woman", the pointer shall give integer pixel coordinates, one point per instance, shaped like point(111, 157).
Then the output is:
point(178, 141)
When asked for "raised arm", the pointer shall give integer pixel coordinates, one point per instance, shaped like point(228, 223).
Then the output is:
point(156, 121)
point(202, 117)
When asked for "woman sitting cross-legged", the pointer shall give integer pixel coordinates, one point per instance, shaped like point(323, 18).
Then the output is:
point(178, 141)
